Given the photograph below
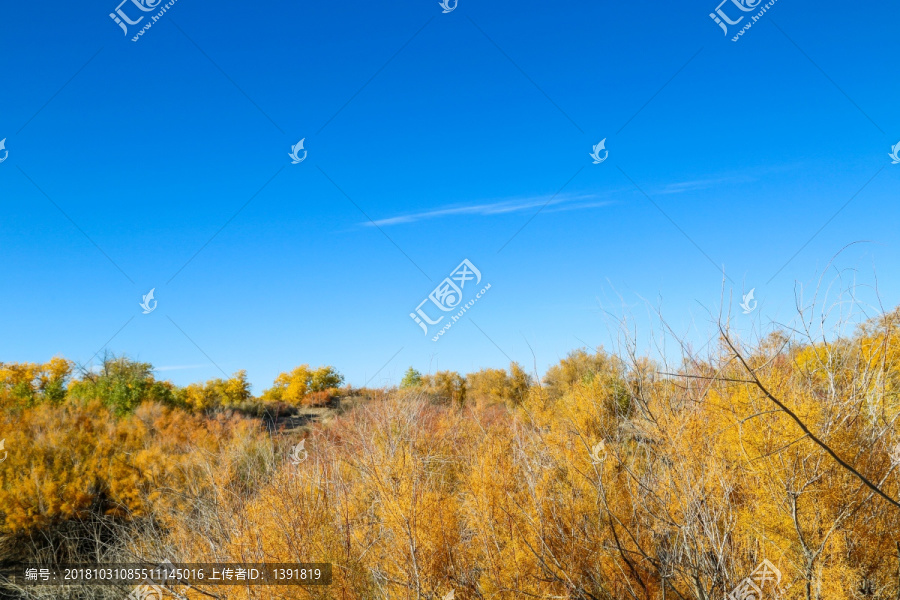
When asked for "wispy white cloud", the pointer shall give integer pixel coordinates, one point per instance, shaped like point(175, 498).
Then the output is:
point(700, 184)
point(559, 203)
point(562, 202)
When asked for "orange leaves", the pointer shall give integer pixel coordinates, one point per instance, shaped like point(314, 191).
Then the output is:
point(609, 481)
point(74, 461)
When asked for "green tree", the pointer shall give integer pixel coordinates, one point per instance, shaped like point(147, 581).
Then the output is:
point(122, 384)
point(411, 378)
point(325, 378)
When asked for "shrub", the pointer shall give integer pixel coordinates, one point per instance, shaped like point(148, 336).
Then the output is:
point(446, 387)
point(322, 398)
point(498, 386)
point(80, 462)
point(579, 367)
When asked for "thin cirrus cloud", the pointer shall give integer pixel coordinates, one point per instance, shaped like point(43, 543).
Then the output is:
point(557, 204)
point(701, 184)
point(554, 204)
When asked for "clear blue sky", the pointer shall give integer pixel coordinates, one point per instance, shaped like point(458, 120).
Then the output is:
point(164, 164)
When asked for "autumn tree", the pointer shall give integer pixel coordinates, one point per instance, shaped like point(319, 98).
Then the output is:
point(579, 367)
point(499, 386)
point(233, 392)
point(446, 386)
point(30, 383)
point(292, 388)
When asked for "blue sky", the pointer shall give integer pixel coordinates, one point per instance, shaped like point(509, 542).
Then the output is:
point(432, 138)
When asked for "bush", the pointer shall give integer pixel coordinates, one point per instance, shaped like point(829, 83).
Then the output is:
point(497, 386)
point(81, 462)
point(579, 367)
point(322, 398)
point(446, 387)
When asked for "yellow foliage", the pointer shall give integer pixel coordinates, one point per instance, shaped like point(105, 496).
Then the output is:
point(21, 384)
point(75, 461)
point(610, 482)
point(498, 386)
point(216, 393)
point(293, 388)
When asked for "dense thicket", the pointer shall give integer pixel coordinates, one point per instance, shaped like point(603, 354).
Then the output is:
point(610, 477)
